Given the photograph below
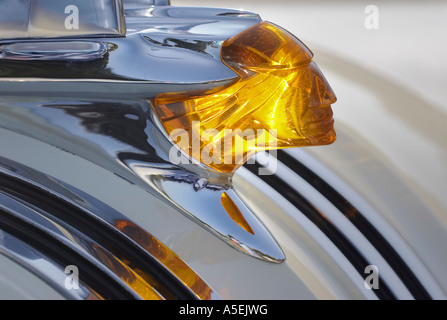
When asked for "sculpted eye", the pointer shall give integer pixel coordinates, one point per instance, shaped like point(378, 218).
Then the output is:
point(280, 100)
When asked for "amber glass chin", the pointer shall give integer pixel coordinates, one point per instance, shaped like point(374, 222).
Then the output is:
point(281, 100)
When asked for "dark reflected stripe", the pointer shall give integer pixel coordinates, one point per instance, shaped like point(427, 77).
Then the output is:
point(110, 238)
point(338, 239)
point(91, 275)
point(361, 223)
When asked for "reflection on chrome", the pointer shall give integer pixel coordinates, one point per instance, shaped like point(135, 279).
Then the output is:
point(174, 50)
point(28, 257)
point(95, 102)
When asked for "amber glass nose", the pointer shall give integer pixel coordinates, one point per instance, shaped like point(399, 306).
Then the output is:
point(281, 100)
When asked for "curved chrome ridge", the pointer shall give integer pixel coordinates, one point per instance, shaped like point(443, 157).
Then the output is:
point(166, 49)
point(347, 220)
point(111, 264)
point(54, 51)
point(32, 216)
point(125, 138)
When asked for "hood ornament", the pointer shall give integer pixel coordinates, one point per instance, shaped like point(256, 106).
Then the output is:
point(280, 100)
point(177, 105)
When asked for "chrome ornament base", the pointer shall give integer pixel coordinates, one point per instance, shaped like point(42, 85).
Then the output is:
point(91, 97)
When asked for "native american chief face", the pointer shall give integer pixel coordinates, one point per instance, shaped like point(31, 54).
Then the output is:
point(280, 100)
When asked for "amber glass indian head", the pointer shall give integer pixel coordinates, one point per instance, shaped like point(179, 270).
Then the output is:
point(281, 100)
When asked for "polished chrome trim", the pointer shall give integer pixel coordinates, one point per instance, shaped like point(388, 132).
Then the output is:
point(54, 50)
point(394, 240)
point(166, 49)
point(136, 241)
point(358, 220)
point(401, 277)
point(345, 226)
point(91, 88)
point(175, 48)
point(121, 19)
point(68, 245)
point(137, 149)
point(203, 205)
point(288, 219)
point(289, 193)
point(42, 266)
point(46, 19)
point(145, 3)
